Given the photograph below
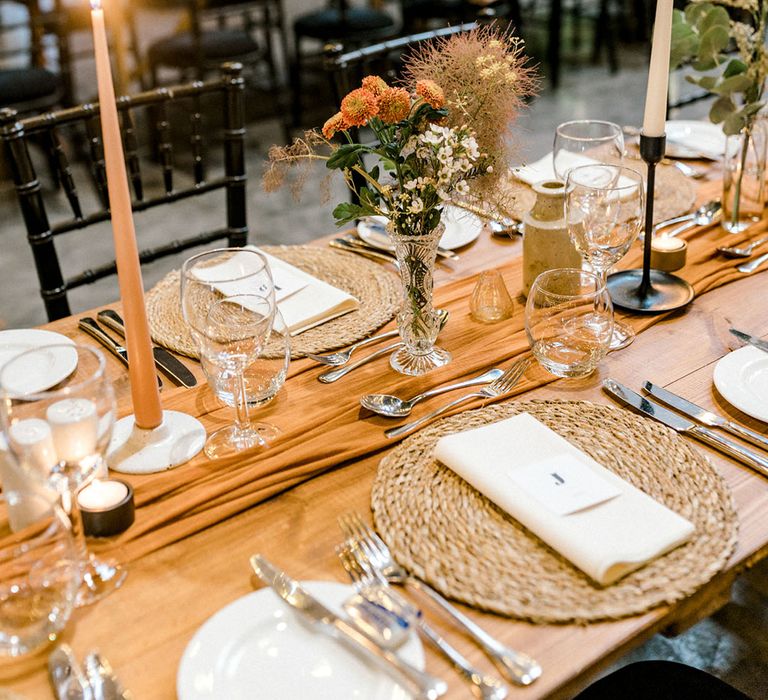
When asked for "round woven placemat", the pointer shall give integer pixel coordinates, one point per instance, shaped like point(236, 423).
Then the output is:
point(675, 193)
point(450, 535)
point(377, 290)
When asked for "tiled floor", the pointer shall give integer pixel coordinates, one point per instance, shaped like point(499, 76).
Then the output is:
point(733, 643)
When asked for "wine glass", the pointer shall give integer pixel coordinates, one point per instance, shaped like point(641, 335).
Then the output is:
point(40, 572)
point(603, 213)
point(578, 140)
point(569, 321)
point(59, 435)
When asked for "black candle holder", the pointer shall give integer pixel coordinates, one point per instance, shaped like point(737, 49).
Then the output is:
point(646, 290)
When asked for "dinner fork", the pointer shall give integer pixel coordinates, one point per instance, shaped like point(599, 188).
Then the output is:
point(519, 667)
point(372, 586)
point(336, 359)
point(503, 385)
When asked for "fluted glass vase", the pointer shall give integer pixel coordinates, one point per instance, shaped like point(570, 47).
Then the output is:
point(417, 322)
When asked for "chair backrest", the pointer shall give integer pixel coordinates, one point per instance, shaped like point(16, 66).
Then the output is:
point(158, 132)
point(347, 69)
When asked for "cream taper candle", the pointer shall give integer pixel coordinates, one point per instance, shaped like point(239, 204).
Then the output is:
point(144, 391)
point(658, 73)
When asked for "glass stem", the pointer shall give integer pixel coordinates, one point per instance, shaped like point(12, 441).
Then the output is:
point(69, 504)
point(242, 417)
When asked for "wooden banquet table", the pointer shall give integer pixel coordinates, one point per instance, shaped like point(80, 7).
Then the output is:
point(170, 591)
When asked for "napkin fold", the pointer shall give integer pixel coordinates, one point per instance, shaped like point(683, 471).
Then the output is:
point(544, 168)
point(599, 522)
point(304, 301)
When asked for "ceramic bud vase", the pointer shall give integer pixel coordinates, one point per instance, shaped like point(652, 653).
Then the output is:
point(546, 243)
point(744, 177)
point(417, 322)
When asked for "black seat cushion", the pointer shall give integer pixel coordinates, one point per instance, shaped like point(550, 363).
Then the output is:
point(220, 45)
point(357, 23)
point(19, 85)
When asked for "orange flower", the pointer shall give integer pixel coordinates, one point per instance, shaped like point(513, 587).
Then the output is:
point(359, 106)
point(334, 124)
point(431, 92)
point(374, 84)
point(394, 105)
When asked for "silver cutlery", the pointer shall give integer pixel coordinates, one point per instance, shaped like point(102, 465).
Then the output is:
point(421, 684)
point(67, 678)
point(336, 374)
point(732, 251)
point(706, 212)
point(700, 217)
point(687, 427)
point(336, 359)
point(89, 326)
point(382, 229)
point(752, 265)
point(751, 339)
point(380, 255)
point(689, 170)
point(391, 406)
point(164, 361)
point(517, 666)
point(506, 228)
point(701, 415)
point(103, 682)
point(375, 588)
point(503, 385)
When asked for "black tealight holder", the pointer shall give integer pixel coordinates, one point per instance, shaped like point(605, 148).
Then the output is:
point(646, 290)
point(107, 517)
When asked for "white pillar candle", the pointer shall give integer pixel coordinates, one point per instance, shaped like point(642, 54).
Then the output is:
point(75, 428)
point(658, 73)
point(102, 495)
point(32, 440)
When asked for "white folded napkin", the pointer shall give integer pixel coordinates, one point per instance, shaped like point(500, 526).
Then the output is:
point(304, 301)
point(544, 168)
point(599, 522)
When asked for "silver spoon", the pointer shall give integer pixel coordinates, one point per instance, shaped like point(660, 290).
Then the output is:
point(731, 251)
point(706, 214)
point(392, 406)
point(509, 227)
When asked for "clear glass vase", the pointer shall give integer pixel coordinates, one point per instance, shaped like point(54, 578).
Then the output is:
point(744, 177)
point(417, 322)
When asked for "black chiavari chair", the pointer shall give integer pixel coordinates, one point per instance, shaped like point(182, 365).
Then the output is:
point(162, 110)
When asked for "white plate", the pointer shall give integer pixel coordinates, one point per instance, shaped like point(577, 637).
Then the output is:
point(694, 139)
point(461, 228)
point(256, 647)
point(58, 364)
point(741, 377)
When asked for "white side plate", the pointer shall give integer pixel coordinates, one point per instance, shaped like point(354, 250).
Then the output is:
point(59, 363)
point(694, 139)
point(741, 377)
point(257, 647)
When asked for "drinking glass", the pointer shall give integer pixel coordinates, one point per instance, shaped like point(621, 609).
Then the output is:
point(235, 330)
point(586, 138)
point(569, 320)
point(604, 213)
point(59, 435)
point(39, 575)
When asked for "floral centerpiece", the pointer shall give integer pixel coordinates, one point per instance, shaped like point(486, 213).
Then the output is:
point(440, 135)
point(725, 40)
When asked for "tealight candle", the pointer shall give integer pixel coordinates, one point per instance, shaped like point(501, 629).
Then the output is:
point(106, 506)
point(668, 254)
point(74, 427)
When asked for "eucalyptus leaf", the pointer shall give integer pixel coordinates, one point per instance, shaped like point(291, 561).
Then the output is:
point(721, 109)
point(714, 17)
point(736, 83)
point(713, 41)
point(695, 10)
point(734, 123)
point(706, 82)
point(735, 67)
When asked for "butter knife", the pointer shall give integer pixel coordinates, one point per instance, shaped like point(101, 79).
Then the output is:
point(89, 326)
point(166, 362)
point(419, 683)
point(700, 414)
point(687, 427)
point(66, 677)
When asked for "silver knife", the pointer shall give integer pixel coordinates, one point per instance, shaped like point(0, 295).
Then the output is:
point(166, 362)
point(703, 416)
point(421, 684)
point(89, 325)
point(681, 425)
point(751, 339)
point(343, 244)
point(66, 677)
point(380, 228)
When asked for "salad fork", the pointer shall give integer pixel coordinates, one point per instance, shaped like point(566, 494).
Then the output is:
point(372, 586)
point(519, 667)
point(503, 385)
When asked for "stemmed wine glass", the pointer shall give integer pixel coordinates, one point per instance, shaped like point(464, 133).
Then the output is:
point(603, 213)
point(228, 301)
point(601, 141)
point(59, 436)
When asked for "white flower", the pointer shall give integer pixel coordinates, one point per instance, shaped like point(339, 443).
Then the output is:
point(462, 187)
point(416, 205)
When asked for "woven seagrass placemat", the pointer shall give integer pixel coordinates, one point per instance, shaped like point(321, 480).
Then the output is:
point(675, 193)
point(448, 534)
point(377, 290)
